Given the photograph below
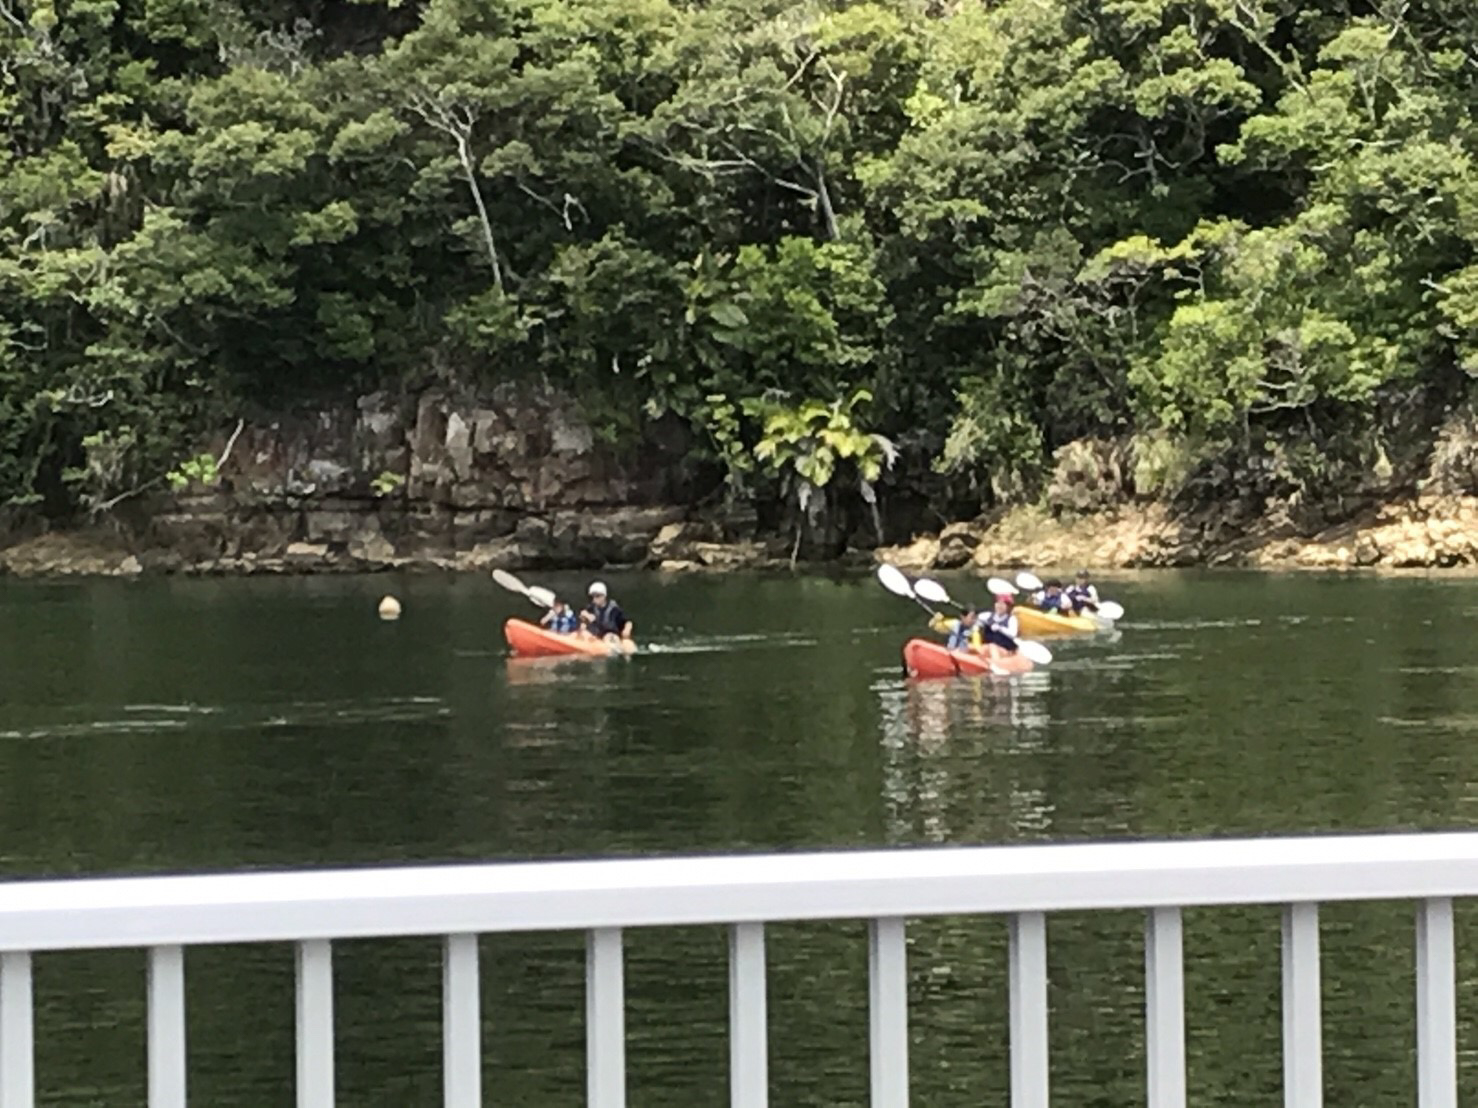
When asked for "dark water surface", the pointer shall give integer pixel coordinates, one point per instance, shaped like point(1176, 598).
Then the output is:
point(187, 725)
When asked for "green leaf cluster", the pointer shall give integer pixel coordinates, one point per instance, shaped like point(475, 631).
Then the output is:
point(1008, 225)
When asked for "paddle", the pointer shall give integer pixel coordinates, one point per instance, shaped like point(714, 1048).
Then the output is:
point(540, 596)
point(896, 583)
point(933, 590)
point(1106, 609)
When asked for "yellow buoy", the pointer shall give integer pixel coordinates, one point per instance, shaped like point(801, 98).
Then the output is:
point(389, 608)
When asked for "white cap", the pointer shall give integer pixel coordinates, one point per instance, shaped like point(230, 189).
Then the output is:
point(598, 588)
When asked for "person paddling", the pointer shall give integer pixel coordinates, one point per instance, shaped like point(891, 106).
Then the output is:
point(964, 633)
point(1000, 627)
point(604, 618)
point(1082, 595)
point(1052, 599)
point(561, 618)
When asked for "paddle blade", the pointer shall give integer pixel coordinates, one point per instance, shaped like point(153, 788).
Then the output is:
point(1108, 609)
point(541, 596)
point(932, 590)
point(509, 582)
point(894, 581)
point(999, 585)
point(1028, 581)
point(1035, 651)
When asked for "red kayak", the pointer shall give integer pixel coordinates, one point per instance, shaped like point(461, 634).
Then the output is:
point(532, 641)
point(922, 658)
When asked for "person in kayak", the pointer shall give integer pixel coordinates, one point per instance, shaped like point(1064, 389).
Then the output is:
point(604, 618)
point(1051, 598)
point(1000, 627)
point(1082, 595)
point(962, 633)
point(561, 618)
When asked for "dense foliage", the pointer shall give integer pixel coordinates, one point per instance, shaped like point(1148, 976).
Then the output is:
point(980, 229)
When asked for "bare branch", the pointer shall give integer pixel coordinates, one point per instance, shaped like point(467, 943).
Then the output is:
point(109, 505)
point(231, 442)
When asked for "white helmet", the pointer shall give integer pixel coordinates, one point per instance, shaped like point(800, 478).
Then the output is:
point(598, 588)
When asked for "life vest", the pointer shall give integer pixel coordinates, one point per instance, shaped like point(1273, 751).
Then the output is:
point(1005, 624)
point(1080, 595)
point(608, 619)
point(565, 623)
point(963, 638)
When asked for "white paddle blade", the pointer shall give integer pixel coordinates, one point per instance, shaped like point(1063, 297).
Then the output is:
point(894, 581)
point(999, 585)
point(932, 591)
point(1110, 610)
point(509, 582)
point(1028, 581)
point(1034, 651)
point(541, 596)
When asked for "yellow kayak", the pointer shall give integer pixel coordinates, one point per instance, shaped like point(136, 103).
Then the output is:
point(1034, 622)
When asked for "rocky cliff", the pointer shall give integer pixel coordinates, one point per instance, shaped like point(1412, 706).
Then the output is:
point(1420, 511)
point(514, 478)
point(518, 478)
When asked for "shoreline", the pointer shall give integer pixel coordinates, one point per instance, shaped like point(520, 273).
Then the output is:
point(1415, 533)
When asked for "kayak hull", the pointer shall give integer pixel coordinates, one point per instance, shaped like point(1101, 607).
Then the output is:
point(922, 658)
point(1033, 621)
point(529, 640)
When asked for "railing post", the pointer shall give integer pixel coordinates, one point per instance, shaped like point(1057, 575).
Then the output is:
point(1164, 1008)
point(167, 1027)
point(1303, 1063)
point(17, 1049)
point(887, 1003)
point(461, 1023)
point(1436, 1006)
point(315, 974)
point(605, 1020)
point(749, 1078)
point(1028, 980)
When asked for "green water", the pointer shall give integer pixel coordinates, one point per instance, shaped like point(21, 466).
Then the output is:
point(186, 725)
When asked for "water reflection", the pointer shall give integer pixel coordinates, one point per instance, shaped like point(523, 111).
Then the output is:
point(952, 771)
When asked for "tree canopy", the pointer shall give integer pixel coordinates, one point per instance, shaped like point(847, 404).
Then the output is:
point(981, 230)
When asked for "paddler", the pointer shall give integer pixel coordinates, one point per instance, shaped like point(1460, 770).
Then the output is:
point(1000, 627)
point(561, 618)
point(1051, 598)
point(1082, 595)
point(604, 618)
point(964, 633)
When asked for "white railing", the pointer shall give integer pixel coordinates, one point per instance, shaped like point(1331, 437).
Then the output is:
point(1024, 883)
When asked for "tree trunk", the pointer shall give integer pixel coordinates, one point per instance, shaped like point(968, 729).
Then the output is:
point(464, 153)
point(823, 198)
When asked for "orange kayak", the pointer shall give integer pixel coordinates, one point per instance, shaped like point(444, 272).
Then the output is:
point(532, 641)
point(922, 658)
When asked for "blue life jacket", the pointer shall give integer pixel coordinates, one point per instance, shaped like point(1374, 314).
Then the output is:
point(1079, 595)
point(994, 621)
point(1057, 603)
point(565, 623)
point(960, 636)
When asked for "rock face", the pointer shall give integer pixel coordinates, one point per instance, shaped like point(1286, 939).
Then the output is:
point(514, 477)
point(1428, 519)
point(1419, 533)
